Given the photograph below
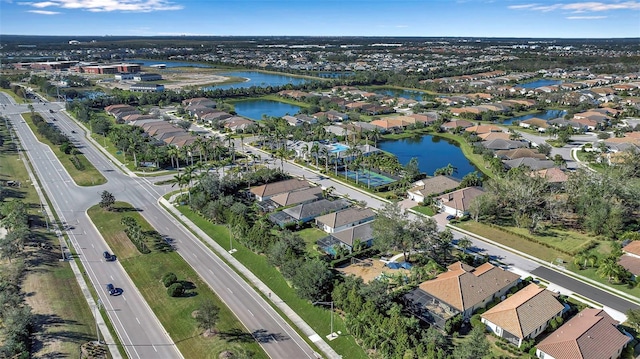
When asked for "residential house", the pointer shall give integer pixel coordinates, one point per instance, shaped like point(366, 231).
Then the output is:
point(199, 101)
point(591, 334)
point(462, 289)
point(536, 123)
point(300, 196)
point(452, 125)
point(432, 186)
point(524, 315)
point(458, 202)
point(502, 144)
point(519, 153)
point(269, 190)
point(292, 120)
point(490, 136)
point(480, 129)
point(534, 164)
point(630, 260)
point(341, 220)
point(306, 212)
point(236, 123)
point(348, 238)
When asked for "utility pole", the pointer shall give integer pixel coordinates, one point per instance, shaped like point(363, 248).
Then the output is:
point(331, 335)
point(231, 250)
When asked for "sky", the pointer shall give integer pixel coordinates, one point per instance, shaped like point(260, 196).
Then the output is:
point(459, 18)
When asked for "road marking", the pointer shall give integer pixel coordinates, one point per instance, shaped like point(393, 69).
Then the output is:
point(229, 290)
point(250, 313)
point(125, 298)
point(195, 256)
point(111, 277)
point(154, 348)
point(274, 338)
point(210, 270)
point(92, 245)
point(137, 320)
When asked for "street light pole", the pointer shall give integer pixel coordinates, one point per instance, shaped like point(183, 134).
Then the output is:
point(231, 250)
point(331, 335)
point(98, 305)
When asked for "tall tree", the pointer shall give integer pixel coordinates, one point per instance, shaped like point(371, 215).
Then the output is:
point(207, 315)
point(107, 199)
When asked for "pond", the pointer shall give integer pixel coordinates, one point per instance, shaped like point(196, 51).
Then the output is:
point(169, 64)
point(432, 153)
point(545, 115)
point(540, 83)
point(408, 94)
point(259, 79)
point(254, 109)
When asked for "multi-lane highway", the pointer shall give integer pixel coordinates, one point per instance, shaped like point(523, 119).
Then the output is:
point(275, 335)
point(137, 327)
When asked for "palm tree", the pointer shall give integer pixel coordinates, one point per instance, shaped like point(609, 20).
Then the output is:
point(315, 149)
point(174, 152)
point(325, 153)
point(305, 152)
point(609, 268)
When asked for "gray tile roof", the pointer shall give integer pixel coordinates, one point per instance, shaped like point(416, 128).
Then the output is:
point(318, 208)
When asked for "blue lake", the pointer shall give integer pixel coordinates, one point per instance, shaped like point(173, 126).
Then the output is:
point(540, 83)
point(258, 79)
point(254, 109)
point(412, 95)
point(546, 115)
point(169, 64)
point(432, 153)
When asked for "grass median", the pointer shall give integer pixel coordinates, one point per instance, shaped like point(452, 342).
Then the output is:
point(175, 314)
point(318, 318)
point(88, 176)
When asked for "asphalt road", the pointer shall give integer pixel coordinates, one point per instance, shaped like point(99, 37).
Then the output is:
point(584, 290)
point(275, 335)
point(137, 327)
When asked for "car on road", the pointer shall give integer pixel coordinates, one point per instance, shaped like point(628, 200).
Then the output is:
point(73, 131)
point(108, 256)
point(450, 217)
point(111, 289)
point(51, 111)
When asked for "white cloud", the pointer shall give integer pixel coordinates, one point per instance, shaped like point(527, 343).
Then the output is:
point(580, 7)
point(108, 5)
point(44, 12)
point(585, 17)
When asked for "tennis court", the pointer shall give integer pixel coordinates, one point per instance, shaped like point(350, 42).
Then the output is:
point(368, 177)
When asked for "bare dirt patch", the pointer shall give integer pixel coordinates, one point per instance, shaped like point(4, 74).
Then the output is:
point(172, 81)
point(370, 269)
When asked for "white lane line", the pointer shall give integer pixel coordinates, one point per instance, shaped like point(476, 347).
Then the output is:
point(92, 245)
point(250, 313)
point(230, 291)
point(210, 270)
point(137, 320)
point(154, 348)
point(111, 277)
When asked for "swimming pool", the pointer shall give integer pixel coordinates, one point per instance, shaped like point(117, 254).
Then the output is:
point(337, 147)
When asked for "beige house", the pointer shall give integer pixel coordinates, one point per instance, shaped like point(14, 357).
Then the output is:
point(431, 186)
point(458, 202)
point(269, 190)
point(591, 334)
point(524, 315)
point(339, 221)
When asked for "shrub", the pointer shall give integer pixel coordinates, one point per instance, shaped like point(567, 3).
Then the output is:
point(476, 321)
point(168, 279)
point(175, 290)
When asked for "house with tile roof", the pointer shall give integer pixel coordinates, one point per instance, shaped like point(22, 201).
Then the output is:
point(534, 164)
point(268, 190)
point(536, 123)
point(428, 187)
point(458, 202)
point(301, 196)
point(591, 334)
point(630, 260)
point(519, 153)
point(524, 315)
point(341, 220)
point(462, 289)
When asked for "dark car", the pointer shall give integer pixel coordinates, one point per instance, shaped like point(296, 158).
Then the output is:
point(450, 217)
point(108, 256)
point(51, 111)
point(73, 131)
point(111, 289)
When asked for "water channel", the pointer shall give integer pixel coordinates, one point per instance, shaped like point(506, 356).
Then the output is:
point(255, 78)
point(545, 115)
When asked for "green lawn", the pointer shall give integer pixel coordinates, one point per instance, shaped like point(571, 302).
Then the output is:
point(146, 271)
point(426, 210)
point(13, 95)
point(317, 318)
point(311, 236)
point(90, 176)
point(64, 320)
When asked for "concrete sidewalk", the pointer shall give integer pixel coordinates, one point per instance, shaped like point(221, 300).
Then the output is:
point(256, 282)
